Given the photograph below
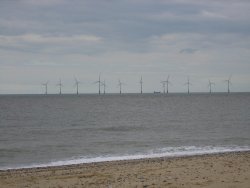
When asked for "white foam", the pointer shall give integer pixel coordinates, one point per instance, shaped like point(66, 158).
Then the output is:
point(161, 152)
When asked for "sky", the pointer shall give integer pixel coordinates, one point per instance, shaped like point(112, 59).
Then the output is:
point(50, 40)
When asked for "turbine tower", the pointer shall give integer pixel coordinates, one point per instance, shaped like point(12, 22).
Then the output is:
point(188, 84)
point(99, 84)
point(228, 81)
point(46, 87)
point(77, 86)
point(141, 84)
point(104, 87)
point(60, 86)
point(164, 83)
point(167, 81)
point(120, 85)
point(210, 86)
point(164, 86)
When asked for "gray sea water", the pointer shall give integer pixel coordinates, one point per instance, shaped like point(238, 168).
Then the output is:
point(38, 130)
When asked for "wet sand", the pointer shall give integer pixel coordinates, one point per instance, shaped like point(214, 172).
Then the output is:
point(226, 170)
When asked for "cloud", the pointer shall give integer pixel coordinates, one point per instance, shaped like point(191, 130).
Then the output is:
point(188, 51)
point(50, 44)
point(190, 16)
point(43, 2)
point(44, 39)
point(184, 42)
point(212, 15)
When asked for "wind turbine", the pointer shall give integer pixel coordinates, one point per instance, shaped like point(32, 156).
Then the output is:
point(210, 86)
point(99, 83)
point(228, 81)
point(164, 83)
point(164, 86)
point(104, 87)
point(120, 85)
point(46, 87)
point(77, 85)
point(188, 83)
point(60, 86)
point(141, 84)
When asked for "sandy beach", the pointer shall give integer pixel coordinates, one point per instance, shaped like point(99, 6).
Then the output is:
point(216, 170)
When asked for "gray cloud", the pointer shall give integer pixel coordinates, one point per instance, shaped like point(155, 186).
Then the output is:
point(188, 50)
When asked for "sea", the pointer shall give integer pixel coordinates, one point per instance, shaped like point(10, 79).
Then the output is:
point(51, 130)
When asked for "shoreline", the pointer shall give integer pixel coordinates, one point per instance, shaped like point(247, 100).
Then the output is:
point(119, 158)
point(213, 170)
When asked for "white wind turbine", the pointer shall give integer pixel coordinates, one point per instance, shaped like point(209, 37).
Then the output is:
point(120, 85)
point(99, 83)
point(141, 84)
point(164, 86)
point(46, 87)
point(164, 83)
point(60, 86)
point(77, 86)
point(104, 87)
point(228, 81)
point(188, 83)
point(210, 84)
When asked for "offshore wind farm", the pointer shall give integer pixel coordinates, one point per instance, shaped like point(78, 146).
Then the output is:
point(165, 86)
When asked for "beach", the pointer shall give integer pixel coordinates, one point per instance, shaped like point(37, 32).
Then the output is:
point(213, 170)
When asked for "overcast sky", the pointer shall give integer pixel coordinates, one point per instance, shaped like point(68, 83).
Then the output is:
point(124, 39)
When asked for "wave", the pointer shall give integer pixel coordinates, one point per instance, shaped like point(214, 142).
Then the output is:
point(156, 153)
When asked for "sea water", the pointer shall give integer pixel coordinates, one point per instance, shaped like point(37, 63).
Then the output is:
point(48, 130)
